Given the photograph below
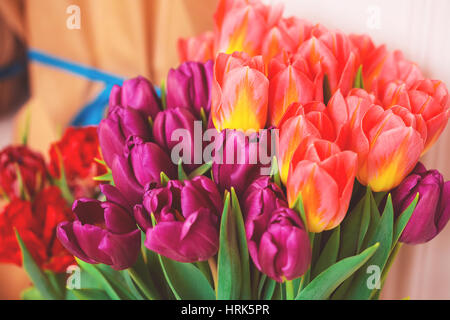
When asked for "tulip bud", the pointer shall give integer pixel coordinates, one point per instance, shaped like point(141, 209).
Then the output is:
point(279, 245)
point(199, 49)
point(430, 99)
point(292, 132)
point(114, 131)
point(141, 165)
point(288, 84)
point(103, 232)
point(388, 148)
point(187, 219)
point(323, 175)
point(262, 197)
point(15, 161)
point(239, 93)
point(241, 25)
point(189, 87)
point(137, 93)
point(432, 211)
point(237, 164)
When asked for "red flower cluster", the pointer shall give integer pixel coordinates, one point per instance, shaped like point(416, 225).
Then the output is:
point(33, 206)
point(36, 224)
point(78, 150)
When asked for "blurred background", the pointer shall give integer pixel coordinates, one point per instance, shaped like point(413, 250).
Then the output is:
point(123, 38)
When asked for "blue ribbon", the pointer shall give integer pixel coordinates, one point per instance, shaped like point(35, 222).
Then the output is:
point(93, 112)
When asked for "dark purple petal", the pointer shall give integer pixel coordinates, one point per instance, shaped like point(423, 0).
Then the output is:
point(65, 235)
point(122, 249)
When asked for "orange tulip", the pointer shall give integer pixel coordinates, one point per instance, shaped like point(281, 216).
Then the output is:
point(241, 25)
point(199, 49)
point(388, 147)
point(288, 83)
point(346, 113)
point(332, 54)
point(292, 132)
point(239, 92)
point(381, 66)
point(323, 175)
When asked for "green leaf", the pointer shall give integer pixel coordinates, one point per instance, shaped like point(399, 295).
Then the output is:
point(62, 181)
point(275, 172)
point(354, 227)
point(39, 279)
point(229, 265)
point(181, 173)
point(164, 179)
point(153, 265)
point(243, 248)
point(26, 129)
point(186, 281)
point(268, 289)
point(90, 294)
point(403, 219)
point(107, 177)
point(359, 80)
point(325, 283)
point(326, 90)
point(31, 293)
point(163, 95)
point(383, 235)
point(105, 283)
point(298, 206)
point(329, 253)
point(200, 170)
point(141, 277)
point(134, 288)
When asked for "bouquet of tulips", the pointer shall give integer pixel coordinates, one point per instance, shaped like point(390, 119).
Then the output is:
point(280, 160)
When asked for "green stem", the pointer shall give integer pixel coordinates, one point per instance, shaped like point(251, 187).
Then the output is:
point(213, 267)
point(141, 284)
point(289, 290)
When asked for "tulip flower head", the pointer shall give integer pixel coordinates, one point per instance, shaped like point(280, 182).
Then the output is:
point(323, 175)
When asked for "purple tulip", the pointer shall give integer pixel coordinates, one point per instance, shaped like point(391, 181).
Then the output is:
point(189, 86)
point(117, 127)
point(237, 164)
point(279, 244)
point(433, 208)
point(142, 164)
point(137, 93)
point(262, 197)
point(103, 232)
point(167, 122)
point(187, 219)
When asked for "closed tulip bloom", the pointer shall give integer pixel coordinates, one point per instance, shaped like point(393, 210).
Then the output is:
point(167, 121)
point(103, 232)
point(332, 54)
point(237, 165)
point(292, 132)
point(279, 245)
point(432, 211)
point(241, 25)
point(323, 175)
point(198, 49)
point(239, 93)
point(114, 130)
point(141, 165)
point(430, 99)
point(189, 87)
point(381, 66)
point(137, 93)
point(262, 197)
point(346, 114)
point(388, 148)
point(288, 83)
point(187, 219)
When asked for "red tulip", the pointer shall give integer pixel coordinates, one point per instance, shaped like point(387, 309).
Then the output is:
point(323, 175)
